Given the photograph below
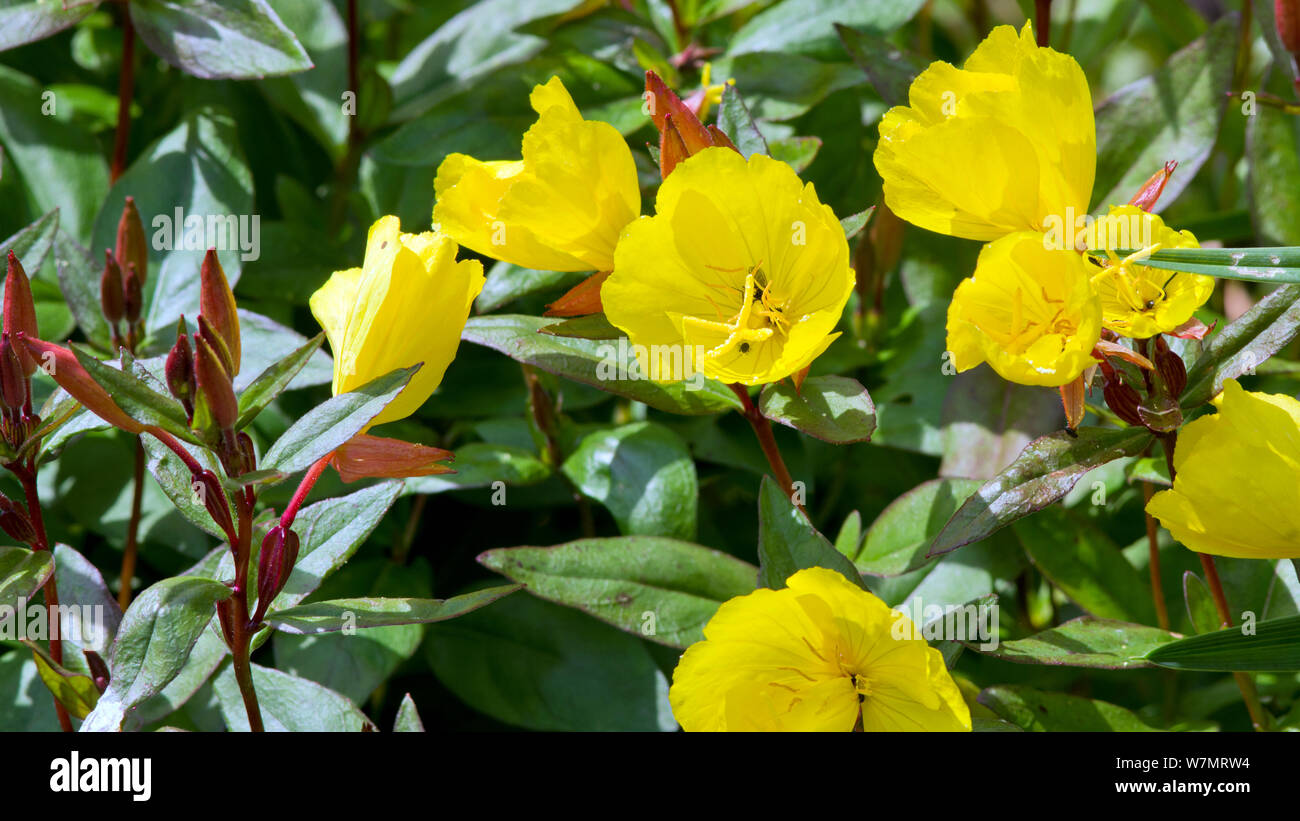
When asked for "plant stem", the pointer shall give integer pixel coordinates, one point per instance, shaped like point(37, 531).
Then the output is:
point(1153, 546)
point(27, 475)
point(544, 411)
point(1043, 22)
point(241, 627)
point(1249, 694)
point(767, 441)
point(132, 528)
point(304, 487)
point(125, 90)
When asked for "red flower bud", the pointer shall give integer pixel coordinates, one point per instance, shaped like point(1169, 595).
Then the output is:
point(672, 149)
point(214, 385)
point(217, 305)
point(13, 384)
point(1173, 371)
point(20, 310)
point(179, 367)
point(98, 670)
point(131, 248)
point(1123, 400)
point(112, 294)
point(1151, 190)
point(14, 521)
point(274, 566)
point(132, 293)
point(212, 495)
point(218, 344)
point(364, 456)
point(1287, 13)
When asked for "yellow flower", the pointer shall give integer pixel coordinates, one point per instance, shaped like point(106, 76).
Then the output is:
point(1137, 300)
point(407, 304)
point(1235, 491)
point(560, 208)
point(1028, 311)
point(815, 656)
point(742, 273)
point(994, 147)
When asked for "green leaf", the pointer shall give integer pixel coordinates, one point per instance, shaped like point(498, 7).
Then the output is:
point(177, 482)
point(898, 539)
point(134, 396)
point(1040, 711)
point(196, 169)
point(594, 363)
point(59, 165)
point(835, 409)
point(346, 614)
point(271, 382)
point(1273, 646)
point(797, 152)
point(82, 586)
point(333, 422)
point(506, 282)
point(788, 543)
point(808, 26)
point(849, 539)
point(480, 464)
point(1201, 608)
point(737, 123)
point(314, 98)
point(533, 664)
point(231, 39)
point(1080, 559)
point(288, 704)
point(32, 244)
point(266, 343)
point(662, 589)
point(595, 326)
point(1244, 344)
point(987, 422)
point(1272, 265)
point(644, 476)
point(76, 692)
point(79, 282)
point(890, 69)
point(1173, 114)
point(1043, 473)
point(26, 21)
point(854, 223)
point(156, 635)
point(1084, 642)
point(22, 573)
point(408, 718)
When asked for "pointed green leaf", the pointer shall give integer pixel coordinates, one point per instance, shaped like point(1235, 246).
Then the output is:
point(1244, 344)
point(231, 39)
point(788, 543)
point(346, 614)
point(835, 409)
point(1084, 642)
point(1273, 646)
point(274, 380)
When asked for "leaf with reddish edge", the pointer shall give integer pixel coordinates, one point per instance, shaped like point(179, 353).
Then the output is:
point(369, 457)
point(1043, 473)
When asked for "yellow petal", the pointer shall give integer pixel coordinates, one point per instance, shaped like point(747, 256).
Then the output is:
point(680, 277)
point(560, 208)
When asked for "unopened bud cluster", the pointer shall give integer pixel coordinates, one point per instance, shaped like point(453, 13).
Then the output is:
point(17, 419)
point(121, 286)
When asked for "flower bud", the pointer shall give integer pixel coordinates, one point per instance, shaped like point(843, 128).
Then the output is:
point(1171, 367)
point(217, 343)
point(99, 672)
point(720, 139)
point(214, 385)
point(112, 296)
point(13, 385)
point(274, 565)
point(132, 294)
point(62, 364)
point(217, 305)
point(131, 248)
point(179, 368)
point(1122, 399)
point(208, 488)
point(14, 521)
point(20, 310)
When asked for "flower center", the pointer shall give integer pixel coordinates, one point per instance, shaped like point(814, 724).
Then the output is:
point(761, 315)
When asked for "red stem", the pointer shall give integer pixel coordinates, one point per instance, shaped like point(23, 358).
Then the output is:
point(27, 475)
point(132, 528)
point(767, 441)
point(1043, 22)
point(304, 488)
point(125, 90)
